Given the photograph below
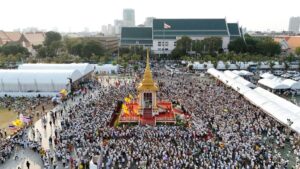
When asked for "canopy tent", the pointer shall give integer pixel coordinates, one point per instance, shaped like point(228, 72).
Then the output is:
point(273, 84)
point(221, 76)
point(267, 75)
point(278, 100)
point(198, 66)
point(239, 79)
point(278, 112)
point(107, 68)
point(214, 72)
point(273, 105)
point(292, 84)
point(242, 73)
point(209, 65)
point(243, 65)
point(36, 81)
point(232, 66)
point(221, 65)
point(255, 98)
point(242, 89)
point(231, 74)
point(83, 68)
point(264, 65)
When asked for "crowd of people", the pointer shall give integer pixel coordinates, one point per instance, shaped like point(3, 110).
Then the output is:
point(225, 130)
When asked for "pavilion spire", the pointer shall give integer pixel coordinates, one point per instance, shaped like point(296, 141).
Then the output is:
point(148, 82)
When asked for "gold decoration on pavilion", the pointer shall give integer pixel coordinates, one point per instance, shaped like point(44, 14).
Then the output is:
point(147, 82)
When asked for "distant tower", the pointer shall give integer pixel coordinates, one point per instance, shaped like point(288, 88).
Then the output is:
point(147, 92)
point(149, 22)
point(128, 18)
point(294, 24)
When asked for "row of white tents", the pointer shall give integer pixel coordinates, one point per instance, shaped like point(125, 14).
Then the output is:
point(277, 107)
point(31, 80)
point(238, 65)
point(275, 83)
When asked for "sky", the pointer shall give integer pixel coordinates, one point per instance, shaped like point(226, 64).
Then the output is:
point(79, 15)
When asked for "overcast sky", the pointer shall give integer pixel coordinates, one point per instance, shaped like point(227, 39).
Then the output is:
point(76, 15)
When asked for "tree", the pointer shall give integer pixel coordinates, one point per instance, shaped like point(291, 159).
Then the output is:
point(52, 37)
point(297, 51)
point(91, 47)
point(183, 45)
point(238, 46)
point(14, 49)
point(268, 47)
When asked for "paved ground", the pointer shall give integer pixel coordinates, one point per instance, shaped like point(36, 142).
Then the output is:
point(24, 155)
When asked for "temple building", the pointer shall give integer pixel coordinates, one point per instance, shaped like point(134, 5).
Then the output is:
point(147, 109)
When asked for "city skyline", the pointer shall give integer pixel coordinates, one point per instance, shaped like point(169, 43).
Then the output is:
point(92, 14)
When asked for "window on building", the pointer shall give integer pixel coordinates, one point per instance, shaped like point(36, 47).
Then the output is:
point(166, 43)
point(166, 49)
point(159, 43)
point(175, 43)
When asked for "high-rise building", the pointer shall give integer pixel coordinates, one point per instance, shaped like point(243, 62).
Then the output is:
point(128, 17)
point(104, 29)
point(110, 29)
point(294, 24)
point(149, 22)
point(118, 25)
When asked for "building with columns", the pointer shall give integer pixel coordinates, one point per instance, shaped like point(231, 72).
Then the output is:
point(165, 33)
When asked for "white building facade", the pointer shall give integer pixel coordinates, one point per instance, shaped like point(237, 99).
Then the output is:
point(294, 24)
point(164, 39)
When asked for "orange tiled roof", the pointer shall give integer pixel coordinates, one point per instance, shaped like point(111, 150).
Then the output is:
point(14, 36)
point(293, 42)
point(4, 38)
point(36, 38)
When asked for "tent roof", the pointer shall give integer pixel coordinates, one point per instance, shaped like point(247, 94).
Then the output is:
point(267, 75)
point(40, 76)
point(273, 84)
point(84, 68)
point(279, 100)
point(291, 83)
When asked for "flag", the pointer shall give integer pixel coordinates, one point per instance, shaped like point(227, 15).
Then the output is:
point(12, 127)
point(166, 26)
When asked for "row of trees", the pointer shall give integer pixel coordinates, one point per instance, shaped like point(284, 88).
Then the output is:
point(264, 46)
point(85, 49)
point(186, 46)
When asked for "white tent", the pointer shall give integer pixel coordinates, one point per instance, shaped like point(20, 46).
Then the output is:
point(278, 100)
point(214, 72)
point(232, 66)
point(36, 81)
point(267, 75)
point(273, 84)
point(242, 89)
point(83, 68)
point(278, 112)
point(292, 84)
point(255, 98)
point(242, 73)
point(221, 65)
point(239, 79)
point(198, 66)
point(107, 68)
point(231, 74)
point(209, 65)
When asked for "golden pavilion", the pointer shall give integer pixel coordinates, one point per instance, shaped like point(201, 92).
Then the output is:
point(146, 109)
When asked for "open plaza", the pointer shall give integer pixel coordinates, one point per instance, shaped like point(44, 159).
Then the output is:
point(155, 118)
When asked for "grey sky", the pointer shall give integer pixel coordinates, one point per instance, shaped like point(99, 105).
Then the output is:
point(75, 15)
